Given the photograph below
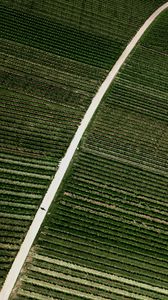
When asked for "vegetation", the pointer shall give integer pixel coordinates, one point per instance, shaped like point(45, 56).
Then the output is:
point(119, 19)
point(42, 103)
point(105, 236)
point(59, 39)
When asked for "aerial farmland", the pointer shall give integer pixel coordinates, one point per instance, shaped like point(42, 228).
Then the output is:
point(84, 150)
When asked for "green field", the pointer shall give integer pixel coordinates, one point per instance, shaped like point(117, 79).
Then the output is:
point(105, 235)
point(111, 19)
point(43, 99)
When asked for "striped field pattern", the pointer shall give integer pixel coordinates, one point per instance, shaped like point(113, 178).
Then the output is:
point(106, 234)
point(51, 67)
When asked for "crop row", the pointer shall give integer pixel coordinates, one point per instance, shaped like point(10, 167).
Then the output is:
point(53, 273)
point(145, 103)
point(110, 217)
point(47, 60)
point(35, 133)
point(41, 33)
point(51, 283)
point(123, 18)
point(40, 88)
point(28, 283)
point(113, 228)
point(13, 228)
point(131, 241)
point(56, 266)
point(118, 205)
point(79, 231)
point(108, 258)
point(132, 121)
point(146, 145)
point(156, 37)
point(118, 191)
point(46, 74)
point(142, 84)
point(23, 183)
point(92, 235)
point(117, 201)
point(49, 110)
point(51, 125)
point(138, 182)
point(43, 100)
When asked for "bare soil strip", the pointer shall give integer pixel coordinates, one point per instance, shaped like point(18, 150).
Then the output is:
point(64, 164)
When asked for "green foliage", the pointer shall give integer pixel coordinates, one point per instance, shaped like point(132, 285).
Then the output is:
point(46, 35)
point(111, 214)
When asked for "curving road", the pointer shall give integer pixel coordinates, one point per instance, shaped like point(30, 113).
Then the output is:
point(64, 164)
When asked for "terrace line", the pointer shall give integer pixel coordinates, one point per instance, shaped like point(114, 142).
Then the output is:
point(64, 164)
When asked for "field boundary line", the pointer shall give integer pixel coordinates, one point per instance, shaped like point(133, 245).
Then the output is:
point(65, 162)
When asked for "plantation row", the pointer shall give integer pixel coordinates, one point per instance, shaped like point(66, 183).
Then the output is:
point(108, 227)
point(46, 35)
point(38, 120)
point(96, 16)
point(105, 227)
point(43, 99)
point(35, 60)
point(24, 180)
point(140, 182)
point(105, 236)
point(133, 137)
point(148, 73)
point(132, 121)
point(45, 84)
point(38, 129)
point(40, 87)
point(156, 38)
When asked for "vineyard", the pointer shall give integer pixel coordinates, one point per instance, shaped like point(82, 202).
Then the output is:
point(110, 19)
point(105, 235)
point(43, 99)
point(135, 128)
point(108, 233)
